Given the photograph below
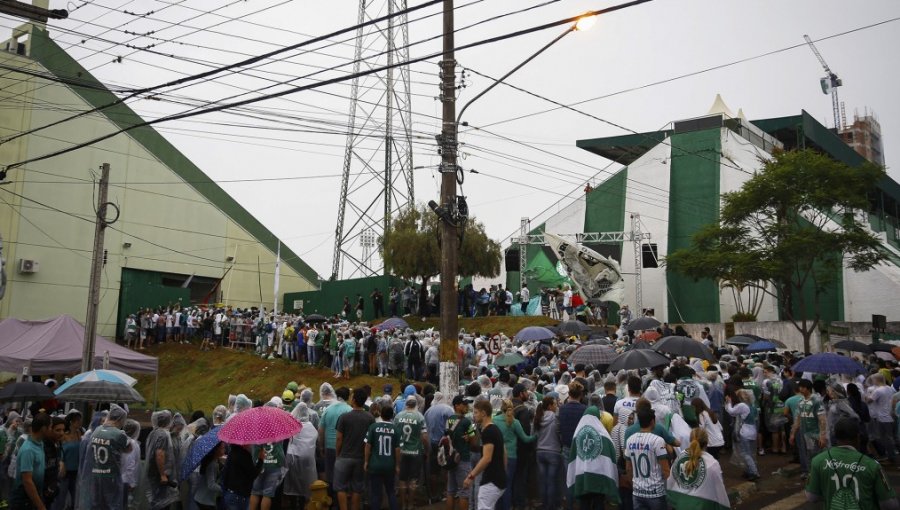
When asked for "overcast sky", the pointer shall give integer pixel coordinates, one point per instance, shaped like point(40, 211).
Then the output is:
point(623, 50)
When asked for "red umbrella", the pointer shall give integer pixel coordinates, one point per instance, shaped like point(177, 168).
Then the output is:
point(259, 425)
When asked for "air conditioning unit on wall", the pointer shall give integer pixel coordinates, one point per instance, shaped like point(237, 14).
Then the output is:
point(28, 266)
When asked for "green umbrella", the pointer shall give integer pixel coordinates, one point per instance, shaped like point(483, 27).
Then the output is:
point(509, 359)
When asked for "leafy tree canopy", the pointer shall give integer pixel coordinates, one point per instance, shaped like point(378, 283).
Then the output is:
point(411, 247)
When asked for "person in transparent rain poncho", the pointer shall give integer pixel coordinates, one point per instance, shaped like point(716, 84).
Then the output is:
point(160, 474)
point(194, 430)
point(131, 461)
point(100, 485)
point(301, 457)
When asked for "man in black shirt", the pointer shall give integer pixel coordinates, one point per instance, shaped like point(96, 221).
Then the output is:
point(492, 465)
point(609, 399)
point(350, 447)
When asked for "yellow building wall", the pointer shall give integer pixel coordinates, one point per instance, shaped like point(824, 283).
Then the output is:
point(170, 227)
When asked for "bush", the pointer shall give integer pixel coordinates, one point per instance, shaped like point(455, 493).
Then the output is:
point(743, 317)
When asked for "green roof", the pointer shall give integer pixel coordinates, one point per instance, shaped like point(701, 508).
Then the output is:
point(799, 131)
point(624, 149)
point(45, 51)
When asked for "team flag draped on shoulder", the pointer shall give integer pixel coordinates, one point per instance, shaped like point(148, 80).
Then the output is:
point(699, 489)
point(592, 459)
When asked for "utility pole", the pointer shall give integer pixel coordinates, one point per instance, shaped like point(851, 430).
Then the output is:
point(90, 321)
point(449, 370)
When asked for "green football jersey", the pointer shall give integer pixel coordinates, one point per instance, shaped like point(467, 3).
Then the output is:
point(857, 476)
point(410, 424)
point(107, 445)
point(384, 439)
point(809, 411)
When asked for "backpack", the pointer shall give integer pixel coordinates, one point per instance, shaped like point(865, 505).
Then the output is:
point(845, 497)
point(415, 352)
point(350, 348)
point(447, 456)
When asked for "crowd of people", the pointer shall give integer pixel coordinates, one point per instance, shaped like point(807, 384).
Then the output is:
point(543, 432)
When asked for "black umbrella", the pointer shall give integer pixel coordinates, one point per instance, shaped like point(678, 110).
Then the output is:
point(314, 317)
point(883, 347)
point(743, 339)
point(573, 328)
point(684, 346)
point(853, 345)
point(644, 323)
point(637, 358)
point(25, 391)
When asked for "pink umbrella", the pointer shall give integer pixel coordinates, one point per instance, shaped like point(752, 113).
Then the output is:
point(259, 425)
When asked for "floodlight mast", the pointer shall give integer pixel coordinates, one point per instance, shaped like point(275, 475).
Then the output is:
point(830, 84)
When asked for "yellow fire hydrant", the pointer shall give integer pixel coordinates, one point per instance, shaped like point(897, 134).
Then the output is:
point(318, 496)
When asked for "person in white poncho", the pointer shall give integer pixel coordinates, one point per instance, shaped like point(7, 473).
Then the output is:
point(301, 458)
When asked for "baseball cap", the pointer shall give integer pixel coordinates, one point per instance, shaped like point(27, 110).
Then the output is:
point(388, 388)
point(518, 389)
point(459, 399)
point(411, 401)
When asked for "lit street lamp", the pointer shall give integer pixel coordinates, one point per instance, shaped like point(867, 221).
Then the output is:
point(452, 209)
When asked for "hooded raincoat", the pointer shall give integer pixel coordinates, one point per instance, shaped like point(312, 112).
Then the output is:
point(160, 452)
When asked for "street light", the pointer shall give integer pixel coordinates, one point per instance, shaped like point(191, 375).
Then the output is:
point(450, 208)
point(584, 23)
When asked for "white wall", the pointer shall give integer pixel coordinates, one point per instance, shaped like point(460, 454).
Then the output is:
point(740, 153)
point(646, 193)
point(872, 292)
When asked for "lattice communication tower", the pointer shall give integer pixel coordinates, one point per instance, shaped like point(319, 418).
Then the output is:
point(377, 177)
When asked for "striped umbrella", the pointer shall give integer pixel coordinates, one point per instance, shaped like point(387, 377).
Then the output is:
point(113, 376)
point(594, 354)
point(101, 391)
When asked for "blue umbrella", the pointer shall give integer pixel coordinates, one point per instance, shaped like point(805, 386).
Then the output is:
point(761, 346)
point(829, 363)
point(200, 448)
point(533, 334)
point(392, 323)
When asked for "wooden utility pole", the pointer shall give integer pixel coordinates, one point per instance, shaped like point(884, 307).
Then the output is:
point(449, 370)
point(90, 321)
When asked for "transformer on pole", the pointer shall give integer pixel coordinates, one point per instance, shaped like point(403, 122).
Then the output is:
point(377, 179)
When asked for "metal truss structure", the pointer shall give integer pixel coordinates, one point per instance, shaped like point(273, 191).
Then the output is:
point(635, 236)
point(377, 176)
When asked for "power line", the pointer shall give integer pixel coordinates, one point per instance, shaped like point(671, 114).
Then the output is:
point(693, 73)
point(322, 83)
point(243, 63)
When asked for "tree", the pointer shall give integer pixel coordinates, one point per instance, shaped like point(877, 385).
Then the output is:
point(791, 227)
point(411, 247)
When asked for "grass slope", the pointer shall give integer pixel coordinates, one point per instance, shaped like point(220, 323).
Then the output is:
point(191, 380)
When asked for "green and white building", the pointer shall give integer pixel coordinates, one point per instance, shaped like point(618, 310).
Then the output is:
point(179, 236)
point(672, 181)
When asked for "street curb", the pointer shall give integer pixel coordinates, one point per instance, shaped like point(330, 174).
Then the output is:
point(742, 492)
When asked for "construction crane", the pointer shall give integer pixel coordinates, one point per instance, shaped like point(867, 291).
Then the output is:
point(830, 84)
